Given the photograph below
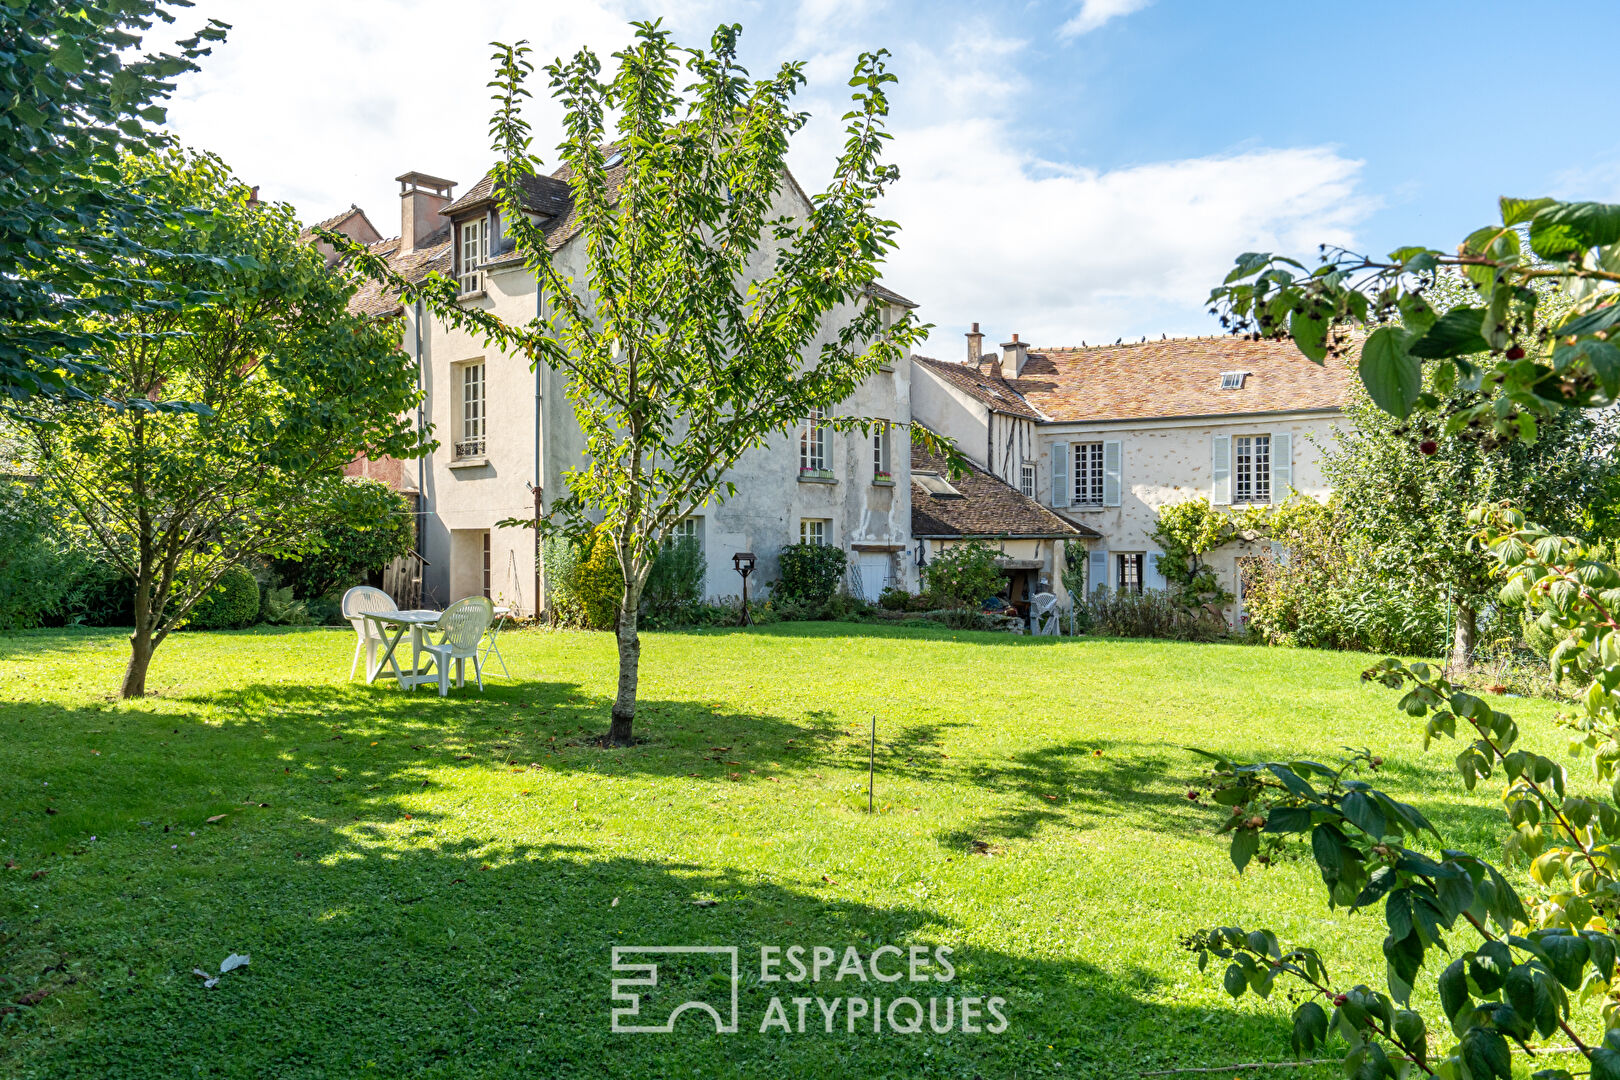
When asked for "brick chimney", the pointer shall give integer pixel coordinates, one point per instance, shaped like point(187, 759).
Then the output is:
point(421, 197)
point(975, 345)
point(1014, 354)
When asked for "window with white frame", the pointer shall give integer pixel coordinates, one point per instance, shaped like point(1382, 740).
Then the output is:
point(474, 250)
point(687, 530)
point(1128, 571)
point(470, 432)
point(1251, 468)
point(813, 444)
point(1088, 474)
point(814, 531)
point(1026, 478)
point(880, 453)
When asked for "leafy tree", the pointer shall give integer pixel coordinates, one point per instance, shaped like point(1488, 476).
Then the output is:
point(810, 574)
point(293, 386)
point(77, 240)
point(695, 339)
point(1403, 489)
point(365, 526)
point(1185, 533)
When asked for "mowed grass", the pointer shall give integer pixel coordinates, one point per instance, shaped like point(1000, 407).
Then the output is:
point(432, 888)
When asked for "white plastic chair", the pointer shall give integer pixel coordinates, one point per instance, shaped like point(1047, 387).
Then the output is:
point(463, 624)
point(1043, 616)
point(357, 602)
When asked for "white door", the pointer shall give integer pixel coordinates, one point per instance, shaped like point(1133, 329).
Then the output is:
point(876, 573)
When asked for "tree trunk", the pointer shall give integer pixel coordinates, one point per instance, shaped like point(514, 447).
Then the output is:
point(140, 658)
point(1462, 643)
point(624, 703)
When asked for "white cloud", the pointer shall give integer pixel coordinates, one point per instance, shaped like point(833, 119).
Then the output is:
point(1093, 13)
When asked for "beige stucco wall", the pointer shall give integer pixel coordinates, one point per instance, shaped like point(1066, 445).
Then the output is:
point(461, 501)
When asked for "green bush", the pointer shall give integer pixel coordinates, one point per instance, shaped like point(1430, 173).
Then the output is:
point(810, 574)
point(674, 589)
point(599, 583)
point(964, 576)
point(562, 556)
point(1150, 614)
point(37, 571)
point(366, 526)
point(232, 602)
point(280, 609)
point(894, 598)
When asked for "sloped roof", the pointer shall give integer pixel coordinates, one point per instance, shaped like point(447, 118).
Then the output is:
point(1178, 377)
point(984, 384)
point(987, 506)
point(543, 195)
point(883, 292)
point(371, 299)
point(333, 222)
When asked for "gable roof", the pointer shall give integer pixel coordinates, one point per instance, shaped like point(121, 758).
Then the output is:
point(982, 383)
point(543, 195)
point(985, 506)
point(1175, 377)
point(1179, 377)
point(371, 299)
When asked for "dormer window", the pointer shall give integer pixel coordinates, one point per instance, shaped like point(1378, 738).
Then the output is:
point(1233, 380)
point(472, 252)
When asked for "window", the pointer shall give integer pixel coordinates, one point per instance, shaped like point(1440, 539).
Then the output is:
point(687, 530)
point(814, 531)
point(1251, 468)
point(1233, 380)
point(1128, 572)
point(470, 440)
point(474, 250)
point(1026, 478)
point(1088, 474)
point(813, 444)
point(880, 453)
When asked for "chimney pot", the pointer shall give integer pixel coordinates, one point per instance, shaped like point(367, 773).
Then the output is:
point(975, 345)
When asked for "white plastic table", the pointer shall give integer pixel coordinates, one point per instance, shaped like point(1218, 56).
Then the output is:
point(392, 625)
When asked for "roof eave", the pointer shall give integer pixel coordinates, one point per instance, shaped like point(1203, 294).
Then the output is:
point(1313, 411)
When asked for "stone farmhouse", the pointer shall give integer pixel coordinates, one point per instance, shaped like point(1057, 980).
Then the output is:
point(1106, 435)
point(507, 434)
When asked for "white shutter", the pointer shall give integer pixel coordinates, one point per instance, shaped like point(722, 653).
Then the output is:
point(1112, 455)
point(1097, 572)
point(1282, 465)
point(1151, 578)
point(1221, 470)
point(1060, 474)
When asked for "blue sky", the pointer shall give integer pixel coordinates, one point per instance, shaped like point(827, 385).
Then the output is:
point(1071, 169)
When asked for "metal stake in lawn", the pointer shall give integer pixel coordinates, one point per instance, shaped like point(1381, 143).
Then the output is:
point(871, 767)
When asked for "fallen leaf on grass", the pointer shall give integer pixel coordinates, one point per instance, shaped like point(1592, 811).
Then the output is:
point(1052, 797)
point(705, 903)
point(37, 874)
point(50, 809)
point(828, 880)
point(233, 961)
point(615, 902)
point(215, 819)
point(34, 997)
point(463, 757)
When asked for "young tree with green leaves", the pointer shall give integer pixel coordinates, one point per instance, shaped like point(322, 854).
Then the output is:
point(72, 257)
point(292, 386)
point(712, 316)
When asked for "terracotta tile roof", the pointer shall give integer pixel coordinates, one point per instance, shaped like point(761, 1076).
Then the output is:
point(1177, 377)
point(332, 222)
point(371, 299)
point(988, 506)
point(983, 383)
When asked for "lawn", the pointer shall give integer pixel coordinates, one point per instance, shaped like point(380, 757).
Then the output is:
point(431, 888)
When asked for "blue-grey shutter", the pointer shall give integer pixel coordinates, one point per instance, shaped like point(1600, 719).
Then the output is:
point(1097, 573)
point(1282, 465)
point(1151, 578)
point(1112, 466)
point(1221, 470)
point(1060, 474)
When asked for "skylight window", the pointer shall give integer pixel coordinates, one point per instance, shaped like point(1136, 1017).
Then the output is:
point(1233, 380)
point(613, 160)
point(936, 485)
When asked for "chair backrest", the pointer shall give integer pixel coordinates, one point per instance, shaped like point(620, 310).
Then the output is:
point(363, 599)
point(464, 622)
point(1041, 603)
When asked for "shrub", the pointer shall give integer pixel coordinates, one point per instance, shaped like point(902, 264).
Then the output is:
point(1149, 614)
point(278, 608)
point(810, 574)
point(894, 598)
point(365, 527)
point(232, 602)
point(562, 556)
point(37, 571)
point(599, 583)
point(964, 576)
point(674, 589)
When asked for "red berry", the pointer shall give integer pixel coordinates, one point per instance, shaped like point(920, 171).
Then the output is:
point(1193, 795)
point(1341, 999)
point(1428, 446)
point(1515, 353)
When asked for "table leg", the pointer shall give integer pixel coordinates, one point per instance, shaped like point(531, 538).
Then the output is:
point(388, 657)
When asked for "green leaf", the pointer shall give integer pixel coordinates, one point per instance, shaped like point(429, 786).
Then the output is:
point(1392, 376)
point(1310, 1028)
point(1411, 1033)
point(1288, 819)
point(1603, 318)
point(1245, 843)
point(1363, 813)
point(1486, 1055)
point(1566, 957)
point(1489, 966)
point(1518, 211)
point(1453, 984)
point(1456, 333)
point(1605, 1064)
point(1562, 229)
point(1248, 263)
point(1310, 335)
point(1235, 981)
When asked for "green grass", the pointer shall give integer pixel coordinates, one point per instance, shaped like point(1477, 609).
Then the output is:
point(434, 886)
